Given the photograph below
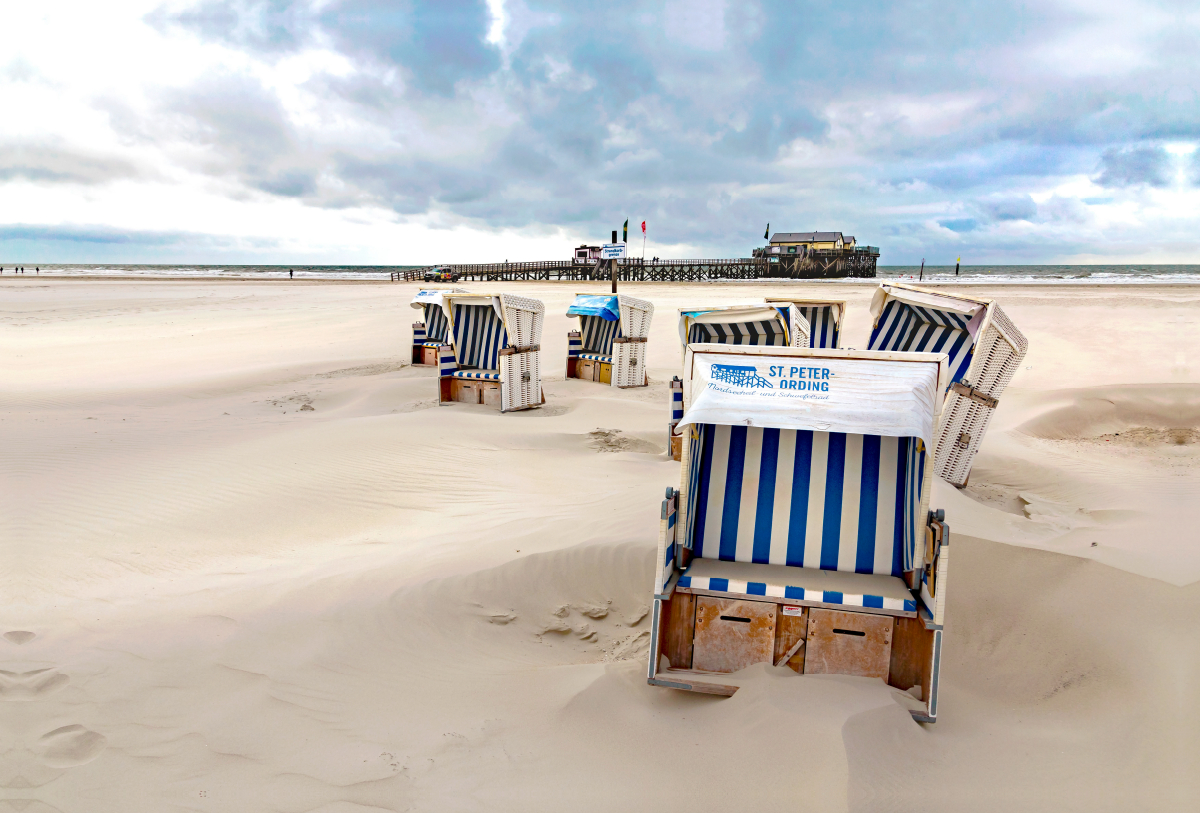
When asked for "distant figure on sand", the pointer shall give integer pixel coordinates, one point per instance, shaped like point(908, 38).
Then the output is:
point(290, 274)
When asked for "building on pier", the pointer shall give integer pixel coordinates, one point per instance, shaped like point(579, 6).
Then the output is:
point(816, 255)
point(586, 255)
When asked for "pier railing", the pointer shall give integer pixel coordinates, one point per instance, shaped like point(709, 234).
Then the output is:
point(856, 263)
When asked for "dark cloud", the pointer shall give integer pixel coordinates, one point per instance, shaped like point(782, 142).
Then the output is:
point(440, 43)
point(248, 134)
point(49, 164)
point(271, 26)
point(1133, 166)
point(112, 236)
point(1017, 207)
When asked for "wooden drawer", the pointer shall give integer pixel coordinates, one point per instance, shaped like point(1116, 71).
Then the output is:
point(604, 374)
point(732, 634)
point(429, 355)
point(465, 391)
point(841, 643)
point(585, 369)
point(489, 392)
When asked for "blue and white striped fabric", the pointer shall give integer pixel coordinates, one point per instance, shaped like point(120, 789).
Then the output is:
point(596, 357)
point(432, 344)
point(822, 500)
point(913, 329)
point(435, 323)
point(770, 333)
point(823, 328)
point(447, 364)
point(676, 400)
point(479, 336)
point(483, 375)
point(782, 590)
point(574, 344)
point(598, 334)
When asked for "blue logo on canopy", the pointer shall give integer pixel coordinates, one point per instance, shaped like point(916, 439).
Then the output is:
point(739, 376)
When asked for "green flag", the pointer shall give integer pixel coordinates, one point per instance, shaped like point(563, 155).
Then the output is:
point(767, 233)
point(625, 232)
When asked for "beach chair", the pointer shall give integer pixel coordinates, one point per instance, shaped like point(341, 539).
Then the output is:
point(985, 350)
point(755, 325)
point(823, 317)
point(610, 345)
point(801, 533)
point(494, 355)
point(430, 334)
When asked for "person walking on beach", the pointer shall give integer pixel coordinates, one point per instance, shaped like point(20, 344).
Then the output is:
point(291, 275)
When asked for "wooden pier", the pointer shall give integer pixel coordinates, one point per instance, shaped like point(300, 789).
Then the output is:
point(858, 262)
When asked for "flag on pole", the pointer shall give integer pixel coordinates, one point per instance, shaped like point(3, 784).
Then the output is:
point(767, 233)
point(625, 232)
point(643, 228)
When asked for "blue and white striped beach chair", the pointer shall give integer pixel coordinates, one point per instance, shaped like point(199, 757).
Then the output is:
point(801, 533)
point(822, 318)
point(755, 325)
point(431, 333)
point(494, 355)
point(985, 350)
point(610, 345)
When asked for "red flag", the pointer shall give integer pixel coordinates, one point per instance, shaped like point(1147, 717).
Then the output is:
point(643, 227)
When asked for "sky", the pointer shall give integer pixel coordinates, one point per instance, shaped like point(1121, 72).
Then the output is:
point(392, 133)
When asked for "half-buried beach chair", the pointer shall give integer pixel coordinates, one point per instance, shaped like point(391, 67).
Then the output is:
point(430, 334)
point(823, 317)
point(755, 325)
point(801, 534)
point(985, 350)
point(494, 355)
point(610, 345)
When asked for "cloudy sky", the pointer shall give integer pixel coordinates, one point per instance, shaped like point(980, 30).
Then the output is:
point(369, 131)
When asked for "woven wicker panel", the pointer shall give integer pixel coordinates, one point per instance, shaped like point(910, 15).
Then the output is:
point(997, 357)
point(523, 319)
point(636, 315)
point(629, 364)
point(520, 381)
point(800, 328)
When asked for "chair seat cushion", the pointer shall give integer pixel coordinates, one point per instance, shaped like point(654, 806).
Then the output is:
point(485, 375)
point(432, 344)
point(807, 585)
point(596, 357)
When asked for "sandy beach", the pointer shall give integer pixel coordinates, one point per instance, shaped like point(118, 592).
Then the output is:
point(249, 564)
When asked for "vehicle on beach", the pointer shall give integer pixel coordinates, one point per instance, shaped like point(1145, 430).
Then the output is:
point(442, 274)
point(493, 355)
point(610, 345)
point(801, 534)
point(985, 350)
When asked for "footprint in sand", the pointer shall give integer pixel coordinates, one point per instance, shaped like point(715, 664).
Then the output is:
point(31, 685)
point(19, 637)
point(69, 746)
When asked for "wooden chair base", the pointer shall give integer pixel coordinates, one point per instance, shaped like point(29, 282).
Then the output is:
point(704, 638)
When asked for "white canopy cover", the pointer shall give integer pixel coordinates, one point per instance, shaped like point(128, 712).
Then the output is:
point(853, 395)
point(434, 296)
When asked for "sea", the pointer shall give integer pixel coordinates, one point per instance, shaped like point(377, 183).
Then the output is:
point(968, 274)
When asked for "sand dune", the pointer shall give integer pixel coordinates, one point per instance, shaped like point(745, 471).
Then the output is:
point(249, 564)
